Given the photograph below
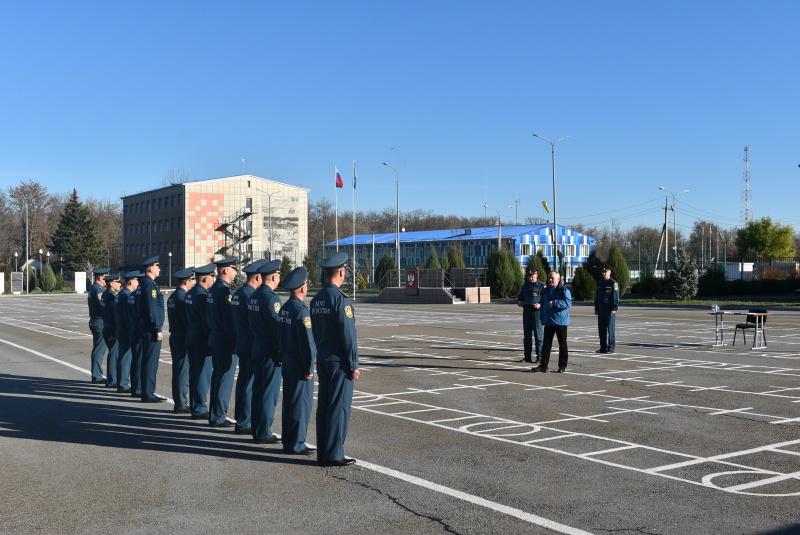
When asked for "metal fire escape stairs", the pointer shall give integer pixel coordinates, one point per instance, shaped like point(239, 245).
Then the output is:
point(238, 231)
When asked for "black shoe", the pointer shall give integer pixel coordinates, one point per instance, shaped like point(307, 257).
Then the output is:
point(135, 395)
point(306, 451)
point(560, 370)
point(248, 431)
point(610, 351)
point(340, 462)
point(271, 440)
point(539, 369)
point(537, 361)
point(204, 416)
point(98, 381)
point(157, 399)
point(227, 422)
point(121, 390)
point(601, 351)
point(112, 385)
point(182, 410)
point(526, 360)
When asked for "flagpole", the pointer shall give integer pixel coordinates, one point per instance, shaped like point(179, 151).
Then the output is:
point(336, 212)
point(354, 229)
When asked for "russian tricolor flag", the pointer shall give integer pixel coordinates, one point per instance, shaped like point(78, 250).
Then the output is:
point(339, 181)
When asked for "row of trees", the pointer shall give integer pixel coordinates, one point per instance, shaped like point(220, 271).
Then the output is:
point(76, 233)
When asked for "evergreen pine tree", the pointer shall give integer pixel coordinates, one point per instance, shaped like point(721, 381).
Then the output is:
point(385, 273)
point(686, 277)
point(286, 267)
point(503, 274)
point(76, 238)
point(535, 262)
point(48, 279)
point(311, 267)
point(433, 260)
point(545, 265)
point(620, 271)
point(454, 258)
point(583, 285)
point(594, 266)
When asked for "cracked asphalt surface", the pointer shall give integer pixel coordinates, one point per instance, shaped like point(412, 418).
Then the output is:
point(453, 434)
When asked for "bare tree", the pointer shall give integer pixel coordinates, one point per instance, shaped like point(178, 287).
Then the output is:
point(175, 176)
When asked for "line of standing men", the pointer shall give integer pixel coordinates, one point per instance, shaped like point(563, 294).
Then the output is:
point(213, 329)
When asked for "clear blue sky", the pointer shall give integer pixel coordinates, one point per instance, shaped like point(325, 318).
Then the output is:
point(107, 96)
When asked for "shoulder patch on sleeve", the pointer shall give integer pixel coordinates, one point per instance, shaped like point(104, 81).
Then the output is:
point(153, 293)
point(277, 307)
point(616, 286)
point(307, 322)
point(348, 311)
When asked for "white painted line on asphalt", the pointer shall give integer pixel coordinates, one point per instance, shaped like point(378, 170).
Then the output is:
point(48, 357)
point(470, 498)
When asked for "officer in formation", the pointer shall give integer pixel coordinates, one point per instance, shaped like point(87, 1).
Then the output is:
point(135, 338)
point(96, 324)
point(200, 365)
point(221, 342)
point(121, 316)
point(244, 346)
point(606, 303)
point(178, 330)
point(150, 308)
point(298, 354)
point(334, 326)
point(264, 308)
point(532, 329)
point(110, 329)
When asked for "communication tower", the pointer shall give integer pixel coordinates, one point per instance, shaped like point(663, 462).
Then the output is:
point(746, 214)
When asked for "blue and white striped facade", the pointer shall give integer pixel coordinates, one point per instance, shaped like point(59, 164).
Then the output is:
point(476, 245)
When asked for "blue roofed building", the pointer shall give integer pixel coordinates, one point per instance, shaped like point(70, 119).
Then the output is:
point(476, 245)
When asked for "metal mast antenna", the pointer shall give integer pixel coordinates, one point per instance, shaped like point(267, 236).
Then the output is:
point(746, 214)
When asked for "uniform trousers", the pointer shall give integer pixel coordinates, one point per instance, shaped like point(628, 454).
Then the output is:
point(151, 349)
point(222, 376)
point(242, 411)
point(334, 399)
point(98, 348)
point(180, 369)
point(136, 366)
point(560, 332)
point(200, 369)
point(606, 326)
point(532, 330)
point(123, 363)
point(298, 397)
point(266, 389)
point(112, 363)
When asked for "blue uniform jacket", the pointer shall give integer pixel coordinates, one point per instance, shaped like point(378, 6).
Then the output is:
point(298, 349)
point(607, 296)
point(334, 324)
point(241, 317)
point(531, 292)
point(109, 321)
point(176, 311)
point(134, 334)
point(264, 306)
point(121, 314)
point(94, 298)
point(562, 301)
point(150, 307)
point(222, 336)
point(195, 307)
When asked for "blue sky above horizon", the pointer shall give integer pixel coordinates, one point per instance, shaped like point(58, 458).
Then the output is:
point(107, 97)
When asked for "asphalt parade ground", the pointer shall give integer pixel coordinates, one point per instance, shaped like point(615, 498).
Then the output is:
point(452, 433)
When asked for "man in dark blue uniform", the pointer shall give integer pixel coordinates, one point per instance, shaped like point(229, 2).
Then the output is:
point(334, 325)
point(532, 328)
point(150, 305)
point(200, 365)
point(244, 346)
point(178, 329)
point(298, 354)
point(264, 307)
point(121, 317)
point(222, 342)
point(606, 303)
point(96, 324)
point(110, 329)
point(135, 338)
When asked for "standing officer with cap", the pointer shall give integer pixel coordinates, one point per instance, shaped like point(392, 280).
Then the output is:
point(135, 338)
point(264, 307)
point(110, 329)
point(122, 320)
point(200, 365)
point(606, 303)
point(244, 348)
point(178, 329)
point(150, 305)
point(298, 353)
point(222, 342)
point(334, 326)
point(532, 328)
point(96, 324)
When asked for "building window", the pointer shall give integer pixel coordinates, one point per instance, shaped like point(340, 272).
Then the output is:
point(248, 203)
point(173, 202)
point(540, 248)
point(569, 249)
point(524, 249)
point(585, 250)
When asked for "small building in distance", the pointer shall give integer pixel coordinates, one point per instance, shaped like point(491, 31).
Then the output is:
point(198, 222)
point(476, 246)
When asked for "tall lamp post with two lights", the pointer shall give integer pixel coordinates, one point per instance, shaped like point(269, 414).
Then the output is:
point(499, 225)
point(397, 228)
point(674, 220)
point(555, 223)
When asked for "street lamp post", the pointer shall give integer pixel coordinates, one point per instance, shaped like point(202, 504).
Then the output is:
point(169, 254)
point(499, 226)
point(555, 223)
point(48, 258)
point(40, 262)
point(61, 263)
point(269, 205)
point(397, 228)
point(16, 261)
point(674, 219)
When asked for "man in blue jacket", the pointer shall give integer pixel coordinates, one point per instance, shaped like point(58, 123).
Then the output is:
point(556, 302)
point(178, 330)
point(150, 309)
